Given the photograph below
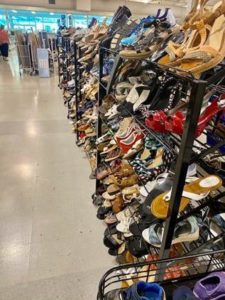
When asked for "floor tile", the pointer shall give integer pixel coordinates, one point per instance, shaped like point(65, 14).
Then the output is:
point(51, 242)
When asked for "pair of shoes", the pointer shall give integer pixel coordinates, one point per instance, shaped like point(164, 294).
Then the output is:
point(197, 55)
point(149, 42)
point(194, 191)
point(161, 122)
point(130, 138)
point(161, 162)
point(185, 231)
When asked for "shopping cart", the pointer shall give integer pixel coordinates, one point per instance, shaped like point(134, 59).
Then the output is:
point(170, 273)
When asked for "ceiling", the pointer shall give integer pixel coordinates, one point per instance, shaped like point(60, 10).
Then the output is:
point(172, 3)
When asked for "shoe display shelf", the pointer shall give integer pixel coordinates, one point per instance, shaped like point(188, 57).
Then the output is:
point(186, 150)
point(64, 51)
point(182, 232)
point(79, 86)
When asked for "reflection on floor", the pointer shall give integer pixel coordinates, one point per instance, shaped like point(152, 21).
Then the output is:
point(51, 243)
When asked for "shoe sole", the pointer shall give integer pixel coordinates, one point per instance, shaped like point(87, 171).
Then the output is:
point(138, 56)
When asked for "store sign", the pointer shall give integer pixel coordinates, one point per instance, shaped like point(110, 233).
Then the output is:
point(43, 63)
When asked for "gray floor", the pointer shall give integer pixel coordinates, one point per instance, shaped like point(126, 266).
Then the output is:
point(50, 240)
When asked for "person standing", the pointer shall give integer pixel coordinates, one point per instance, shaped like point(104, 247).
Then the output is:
point(4, 42)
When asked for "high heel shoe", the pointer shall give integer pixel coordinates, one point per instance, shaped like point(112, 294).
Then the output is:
point(212, 110)
point(175, 123)
point(157, 121)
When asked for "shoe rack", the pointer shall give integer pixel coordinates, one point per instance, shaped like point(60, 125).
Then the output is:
point(78, 73)
point(187, 149)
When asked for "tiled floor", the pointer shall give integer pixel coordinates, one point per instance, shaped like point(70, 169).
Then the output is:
point(50, 240)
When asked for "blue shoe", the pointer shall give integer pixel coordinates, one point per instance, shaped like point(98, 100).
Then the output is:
point(144, 291)
point(107, 67)
point(134, 34)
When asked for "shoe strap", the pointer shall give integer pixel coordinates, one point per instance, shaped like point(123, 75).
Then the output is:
point(189, 195)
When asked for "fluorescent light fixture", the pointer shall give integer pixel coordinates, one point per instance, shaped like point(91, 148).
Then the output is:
point(52, 13)
point(14, 11)
point(142, 1)
point(33, 12)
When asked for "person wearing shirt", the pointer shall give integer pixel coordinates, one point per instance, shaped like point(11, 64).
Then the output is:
point(4, 42)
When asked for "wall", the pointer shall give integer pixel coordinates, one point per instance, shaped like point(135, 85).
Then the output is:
point(97, 6)
point(136, 8)
point(60, 4)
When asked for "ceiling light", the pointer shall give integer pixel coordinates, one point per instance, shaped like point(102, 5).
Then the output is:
point(52, 13)
point(14, 11)
point(142, 1)
point(33, 12)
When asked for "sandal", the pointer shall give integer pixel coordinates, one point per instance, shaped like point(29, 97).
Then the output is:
point(185, 231)
point(146, 46)
point(114, 154)
point(176, 122)
point(159, 166)
point(194, 191)
point(207, 56)
point(191, 42)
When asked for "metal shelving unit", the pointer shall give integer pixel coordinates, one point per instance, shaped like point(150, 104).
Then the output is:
point(184, 149)
point(187, 150)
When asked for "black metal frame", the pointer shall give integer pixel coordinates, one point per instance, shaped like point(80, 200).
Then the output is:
point(183, 161)
point(185, 156)
point(191, 267)
point(77, 83)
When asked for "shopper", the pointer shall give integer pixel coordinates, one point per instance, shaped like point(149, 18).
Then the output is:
point(4, 42)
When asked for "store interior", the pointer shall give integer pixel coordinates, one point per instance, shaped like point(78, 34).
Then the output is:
point(33, 20)
point(112, 150)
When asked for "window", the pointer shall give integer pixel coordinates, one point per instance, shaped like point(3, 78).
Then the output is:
point(80, 21)
point(47, 21)
point(2, 19)
point(100, 19)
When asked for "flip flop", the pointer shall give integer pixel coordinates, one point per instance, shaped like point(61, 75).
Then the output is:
point(196, 191)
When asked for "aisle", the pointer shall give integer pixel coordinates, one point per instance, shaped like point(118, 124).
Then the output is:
point(50, 240)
